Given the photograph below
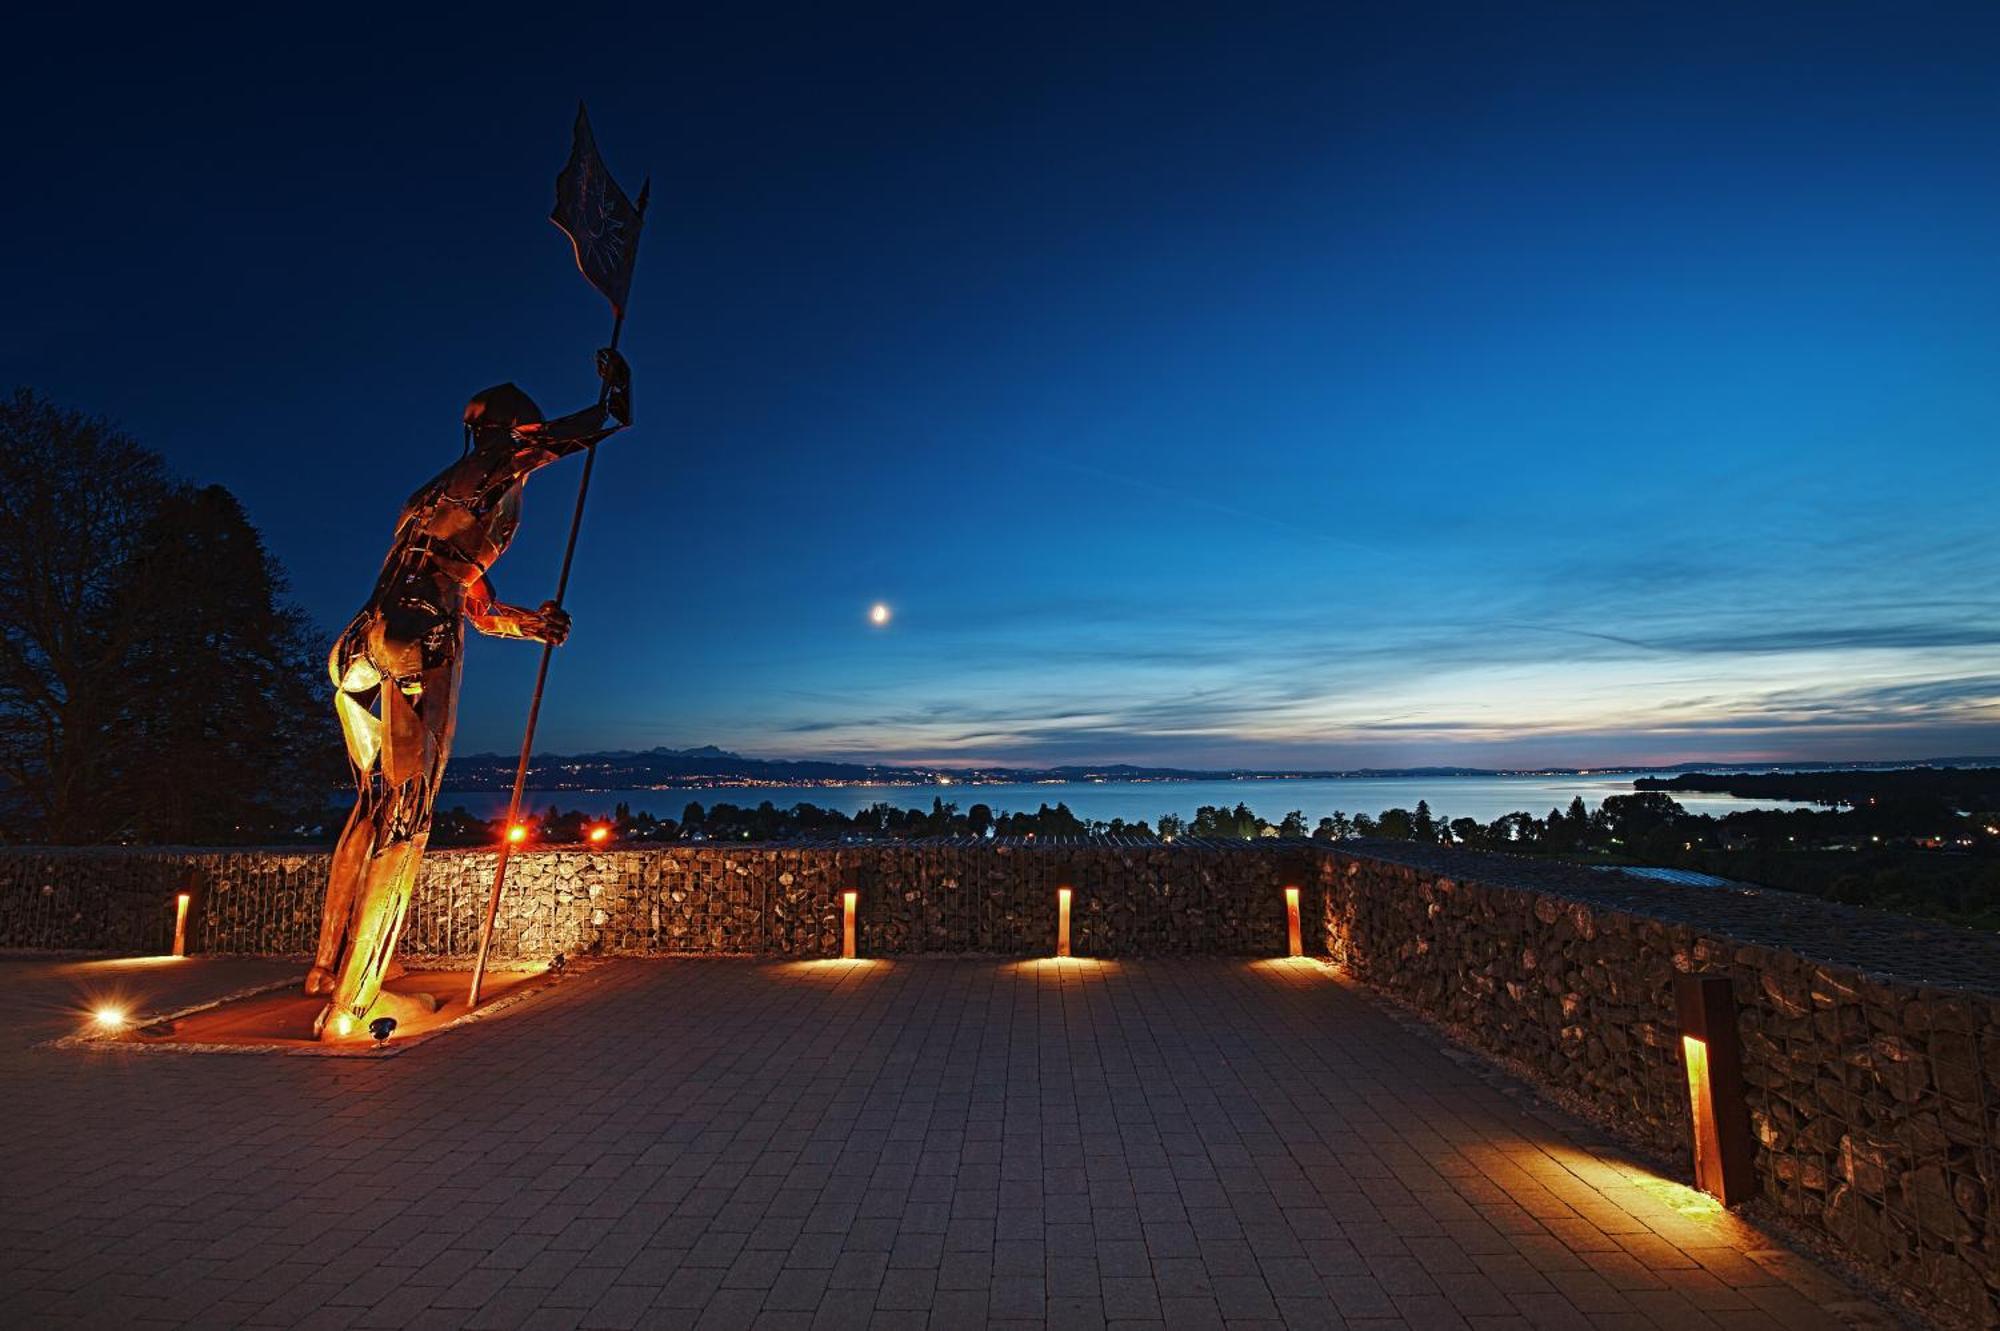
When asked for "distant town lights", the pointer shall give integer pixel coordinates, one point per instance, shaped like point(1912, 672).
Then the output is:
point(878, 614)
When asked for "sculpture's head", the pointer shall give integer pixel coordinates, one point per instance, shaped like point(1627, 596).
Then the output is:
point(491, 416)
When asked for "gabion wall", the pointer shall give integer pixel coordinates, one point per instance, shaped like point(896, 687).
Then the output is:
point(1875, 1101)
point(1128, 899)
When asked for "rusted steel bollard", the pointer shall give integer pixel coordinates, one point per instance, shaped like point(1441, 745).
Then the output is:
point(1723, 1161)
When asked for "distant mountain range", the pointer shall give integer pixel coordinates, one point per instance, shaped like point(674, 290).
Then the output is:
point(626, 769)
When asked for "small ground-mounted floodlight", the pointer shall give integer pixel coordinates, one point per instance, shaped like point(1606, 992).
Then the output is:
point(109, 1018)
point(382, 1028)
point(518, 833)
point(343, 1024)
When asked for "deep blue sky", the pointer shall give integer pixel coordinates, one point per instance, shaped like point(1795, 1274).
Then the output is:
point(1498, 385)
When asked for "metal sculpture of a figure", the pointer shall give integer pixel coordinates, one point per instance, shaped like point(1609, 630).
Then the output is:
point(396, 670)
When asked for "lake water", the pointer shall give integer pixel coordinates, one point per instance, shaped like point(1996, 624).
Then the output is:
point(1481, 797)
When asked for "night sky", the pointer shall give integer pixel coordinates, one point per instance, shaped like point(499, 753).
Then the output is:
point(1496, 386)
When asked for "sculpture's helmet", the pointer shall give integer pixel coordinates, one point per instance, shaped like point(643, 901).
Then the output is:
point(501, 407)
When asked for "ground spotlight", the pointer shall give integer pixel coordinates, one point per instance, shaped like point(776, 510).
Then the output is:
point(109, 1018)
point(518, 833)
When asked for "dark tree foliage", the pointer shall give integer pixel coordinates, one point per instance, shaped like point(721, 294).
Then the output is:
point(75, 503)
point(154, 686)
point(1965, 787)
point(225, 737)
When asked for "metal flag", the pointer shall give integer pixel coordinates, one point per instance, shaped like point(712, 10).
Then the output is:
point(601, 223)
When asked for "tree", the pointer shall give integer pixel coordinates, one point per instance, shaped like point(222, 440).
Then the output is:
point(1172, 825)
point(1422, 827)
point(1293, 825)
point(73, 511)
point(1579, 821)
point(152, 681)
point(1631, 818)
point(224, 736)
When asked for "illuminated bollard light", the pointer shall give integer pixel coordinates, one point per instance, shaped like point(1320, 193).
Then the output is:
point(1062, 921)
point(1293, 946)
point(181, 924)
point(848, 901)
point(1721, 1114)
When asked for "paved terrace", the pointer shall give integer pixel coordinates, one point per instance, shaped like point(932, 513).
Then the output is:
point(920, 1142)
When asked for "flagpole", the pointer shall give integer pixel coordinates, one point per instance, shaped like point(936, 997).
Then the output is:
point(535, 703)
point(583, 140)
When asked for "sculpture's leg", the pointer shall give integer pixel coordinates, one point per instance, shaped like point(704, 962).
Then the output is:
point(356, 685)
point(377, 926)
point(350, 865)
point(416, 730)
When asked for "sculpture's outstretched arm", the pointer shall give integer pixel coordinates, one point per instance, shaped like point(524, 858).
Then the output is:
point(496, 619)
point(580, 429)
point(568, 434)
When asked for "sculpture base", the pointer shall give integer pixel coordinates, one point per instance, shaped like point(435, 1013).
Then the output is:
point(424, 1003)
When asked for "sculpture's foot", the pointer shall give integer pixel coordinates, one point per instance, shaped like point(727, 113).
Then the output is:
point(319, 980)
point(403, 1007)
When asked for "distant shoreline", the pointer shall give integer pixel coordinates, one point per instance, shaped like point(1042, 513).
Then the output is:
point(1680, 774)
point(1484, 797)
